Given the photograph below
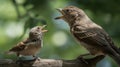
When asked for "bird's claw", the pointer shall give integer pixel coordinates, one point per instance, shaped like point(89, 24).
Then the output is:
point(81, 57)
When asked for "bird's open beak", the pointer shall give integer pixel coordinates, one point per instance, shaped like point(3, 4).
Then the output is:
point(43, 28)
point(61, 11)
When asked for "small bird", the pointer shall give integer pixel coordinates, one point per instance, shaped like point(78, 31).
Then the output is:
point(31, 45)
point(92, 36)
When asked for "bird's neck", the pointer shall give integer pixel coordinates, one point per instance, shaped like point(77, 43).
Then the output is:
point(84, 21)
point(36, 38)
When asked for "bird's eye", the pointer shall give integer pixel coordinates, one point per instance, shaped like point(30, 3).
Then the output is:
point(38, 28)
point(68, 10)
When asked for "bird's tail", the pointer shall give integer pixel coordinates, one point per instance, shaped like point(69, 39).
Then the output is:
point(116, 57)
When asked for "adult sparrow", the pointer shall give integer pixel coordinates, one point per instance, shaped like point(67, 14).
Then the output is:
point(92, 36)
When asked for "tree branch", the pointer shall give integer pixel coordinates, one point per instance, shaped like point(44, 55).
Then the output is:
point(16, 7)
point(79, 62)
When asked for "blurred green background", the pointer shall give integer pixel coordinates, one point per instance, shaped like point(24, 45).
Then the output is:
point(18, 16)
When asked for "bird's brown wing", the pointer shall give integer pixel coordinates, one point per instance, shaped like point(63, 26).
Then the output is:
point(20, 46)
point(95, 37)
point(109, 39)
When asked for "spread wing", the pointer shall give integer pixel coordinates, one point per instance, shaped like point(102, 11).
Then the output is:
point(20, 46)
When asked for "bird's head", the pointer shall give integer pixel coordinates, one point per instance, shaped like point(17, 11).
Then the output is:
point(37, 32)
point(70, 14)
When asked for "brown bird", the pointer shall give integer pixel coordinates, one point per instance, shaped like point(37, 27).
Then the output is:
point(92, 36)
point(31, 45)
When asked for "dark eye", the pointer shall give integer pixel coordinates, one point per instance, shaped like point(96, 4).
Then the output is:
point(68, 10)
point(38, 28)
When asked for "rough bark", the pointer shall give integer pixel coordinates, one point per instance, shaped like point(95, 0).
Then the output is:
point(79, 62)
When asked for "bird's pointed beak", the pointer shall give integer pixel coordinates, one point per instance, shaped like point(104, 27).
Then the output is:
point(44, 31)
point(61, 11)
point(43, 28)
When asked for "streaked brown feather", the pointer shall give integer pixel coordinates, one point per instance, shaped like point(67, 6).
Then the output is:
point(93, 36)
point(20, 46)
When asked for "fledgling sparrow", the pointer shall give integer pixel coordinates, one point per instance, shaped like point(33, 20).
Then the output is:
point(31, 45)
point(89, 34)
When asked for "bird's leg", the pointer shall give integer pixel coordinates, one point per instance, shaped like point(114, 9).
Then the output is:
point(18, 60)
point(82, 59)
point(35, 57)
